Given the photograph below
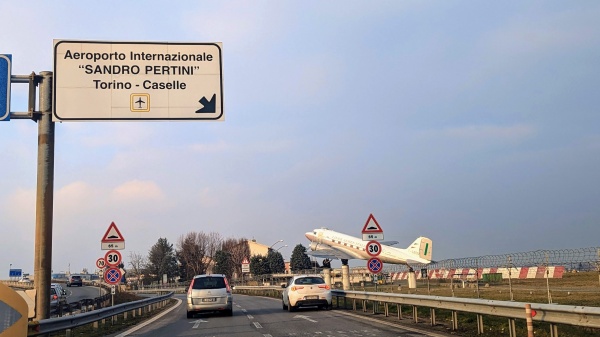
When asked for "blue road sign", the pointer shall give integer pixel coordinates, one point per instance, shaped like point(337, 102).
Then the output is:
point(5, 67)
point(375, 265)
point(112, 276)
point(15, 273)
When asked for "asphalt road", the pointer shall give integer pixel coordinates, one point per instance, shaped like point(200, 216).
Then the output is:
point(264, 317)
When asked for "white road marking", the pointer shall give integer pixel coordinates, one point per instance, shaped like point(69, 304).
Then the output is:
point(197, 323)
point(306, 318)
point(141, 325)
point(257, 325)
point(250, 316)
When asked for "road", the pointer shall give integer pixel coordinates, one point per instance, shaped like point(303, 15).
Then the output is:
point(264, 317)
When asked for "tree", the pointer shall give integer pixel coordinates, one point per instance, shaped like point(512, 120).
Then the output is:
point(223, 263)
point(137, 262)
point(276, 262)
point(299, 260)
point(259, 265)
point(161, 260)
point(195, 252)
point(239, 250)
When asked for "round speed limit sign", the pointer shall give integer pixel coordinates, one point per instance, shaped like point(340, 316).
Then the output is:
point(373, 248)
point(112, 258)
point(100, 263)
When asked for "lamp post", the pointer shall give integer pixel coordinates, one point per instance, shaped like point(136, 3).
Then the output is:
point(280, 248)
point(9, 268)
point(278, 241)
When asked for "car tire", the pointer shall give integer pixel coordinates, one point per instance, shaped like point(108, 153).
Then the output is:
point(283, 305)
point(290, 307)
point(190, 314)
point(229, 312)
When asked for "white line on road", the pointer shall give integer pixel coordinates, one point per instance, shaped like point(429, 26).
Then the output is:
point(141, 325)
point(306, 318)
point(257, 325)
point(250, 316)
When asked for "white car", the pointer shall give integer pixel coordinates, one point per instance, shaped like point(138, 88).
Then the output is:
point(306, 291)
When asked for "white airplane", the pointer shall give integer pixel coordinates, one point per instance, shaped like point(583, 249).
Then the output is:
point(329, 244)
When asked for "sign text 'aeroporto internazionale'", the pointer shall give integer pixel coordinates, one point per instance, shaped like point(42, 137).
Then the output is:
point(125, 69)
point(131, 81)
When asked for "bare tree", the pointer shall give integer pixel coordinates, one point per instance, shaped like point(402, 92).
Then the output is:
point(239, 249)
point(190, 254)
point(137, 262)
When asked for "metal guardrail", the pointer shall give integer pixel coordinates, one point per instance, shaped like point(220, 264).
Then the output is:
point(47, 326)
point(547, 313)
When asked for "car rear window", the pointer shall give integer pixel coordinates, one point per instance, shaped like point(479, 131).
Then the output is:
point(52, 291)
point(209, 283)
point(309, 280)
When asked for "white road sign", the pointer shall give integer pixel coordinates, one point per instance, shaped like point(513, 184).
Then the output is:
point(104, 81)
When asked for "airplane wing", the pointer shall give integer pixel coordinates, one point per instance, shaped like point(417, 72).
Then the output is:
point(330, 253)
point(388, 243)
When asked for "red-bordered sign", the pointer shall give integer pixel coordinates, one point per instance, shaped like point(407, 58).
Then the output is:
point(375, 265)
point(373, 248)
point(112, 276)
point(113, 239)
point(112, 258)
point(100, 263)
point(372, 230)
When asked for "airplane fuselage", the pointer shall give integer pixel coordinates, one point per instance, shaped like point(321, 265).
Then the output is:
point(356, 248)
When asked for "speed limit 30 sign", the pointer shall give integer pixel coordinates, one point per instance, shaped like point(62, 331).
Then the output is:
point(373, 248)
point(112, 258)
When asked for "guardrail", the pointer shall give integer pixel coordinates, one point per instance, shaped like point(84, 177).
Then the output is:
point(46, 326)
point(548, 313)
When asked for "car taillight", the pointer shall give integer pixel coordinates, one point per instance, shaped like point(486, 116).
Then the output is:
point(54, 297)
point(227, 285)
point(324, 286)
point(190, 288)
point(294, 288)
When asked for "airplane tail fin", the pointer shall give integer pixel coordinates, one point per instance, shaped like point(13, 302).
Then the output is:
point(422, 247)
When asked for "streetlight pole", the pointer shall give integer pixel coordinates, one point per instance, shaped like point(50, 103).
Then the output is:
point(278, 241)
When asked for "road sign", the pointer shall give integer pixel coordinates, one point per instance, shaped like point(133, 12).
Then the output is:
point(112, 258)
point(373, 248)
point(100, 263)
point(113, 239)
point(103, 81)
point(375, 265)
point(14, 312)
point(245, 265)
point(15, 272)
point(372, 230)
point(112, 276)
point(5, 72)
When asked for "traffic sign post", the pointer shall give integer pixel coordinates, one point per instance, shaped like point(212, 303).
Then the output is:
point(113, 239)
point(5, 73)
point(112, 276)
point(373, 248)
point(103, 81)
point(372, 230)
point(375, 265)
point(112, 258)
point(100, 263)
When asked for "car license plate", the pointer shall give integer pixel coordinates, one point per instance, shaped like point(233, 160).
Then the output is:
point(311, 297)
point(212, 299)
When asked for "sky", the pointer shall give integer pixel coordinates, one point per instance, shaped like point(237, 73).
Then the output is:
point(474, 123)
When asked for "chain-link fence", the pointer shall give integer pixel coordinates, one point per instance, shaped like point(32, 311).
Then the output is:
point(581, 259)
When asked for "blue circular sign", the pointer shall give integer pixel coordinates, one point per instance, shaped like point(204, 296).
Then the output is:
point(375, 265)
point(112, 276)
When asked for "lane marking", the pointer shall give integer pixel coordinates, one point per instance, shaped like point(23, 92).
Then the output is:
point(197, 323)
point(399, 326)
point(141, 325)
point(250, 316)
point(306, 318)
point(257, 325)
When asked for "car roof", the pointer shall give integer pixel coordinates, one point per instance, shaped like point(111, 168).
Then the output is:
point(209, 275)
point(306, 275)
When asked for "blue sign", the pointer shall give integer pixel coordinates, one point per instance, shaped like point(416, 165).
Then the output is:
point(5, 67)
point(375, 265)
point(15, 273)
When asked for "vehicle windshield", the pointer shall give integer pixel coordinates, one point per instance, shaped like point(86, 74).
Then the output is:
point(309, 280)
point(209, 283)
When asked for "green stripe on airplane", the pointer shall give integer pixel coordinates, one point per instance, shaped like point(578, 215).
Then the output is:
point(426, 248)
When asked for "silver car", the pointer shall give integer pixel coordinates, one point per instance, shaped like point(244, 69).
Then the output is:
point(209, 293)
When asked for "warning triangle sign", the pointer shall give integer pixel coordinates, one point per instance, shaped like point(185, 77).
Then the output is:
point(371, 226)
point(113, 234)
point(245, 261)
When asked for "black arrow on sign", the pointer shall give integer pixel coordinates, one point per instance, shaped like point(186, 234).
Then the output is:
point(208, 106)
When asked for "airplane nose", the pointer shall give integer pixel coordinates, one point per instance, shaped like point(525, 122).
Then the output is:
point(310, 236)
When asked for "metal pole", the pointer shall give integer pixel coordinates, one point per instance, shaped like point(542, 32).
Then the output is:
point(44, 198)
